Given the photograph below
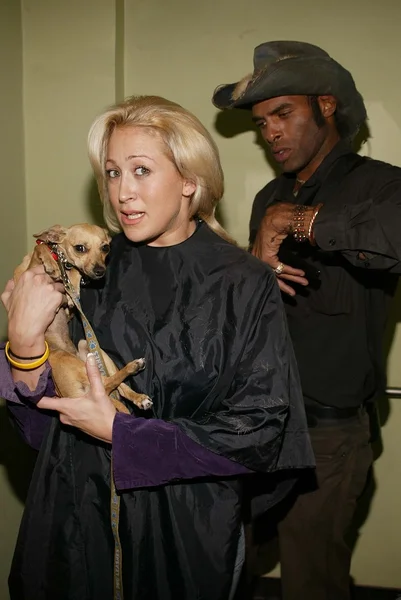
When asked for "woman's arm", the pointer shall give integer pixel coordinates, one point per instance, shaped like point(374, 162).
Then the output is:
point(31, 304)
point(152, 452)
point(21, 402)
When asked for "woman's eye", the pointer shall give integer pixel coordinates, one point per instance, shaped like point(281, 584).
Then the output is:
point(80, 248)
point(141, 171)
point(112, 173)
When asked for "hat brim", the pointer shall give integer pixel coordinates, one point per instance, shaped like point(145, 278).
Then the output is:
point(302, 75)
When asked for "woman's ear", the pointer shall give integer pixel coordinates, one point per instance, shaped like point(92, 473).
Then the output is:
point(188, 188)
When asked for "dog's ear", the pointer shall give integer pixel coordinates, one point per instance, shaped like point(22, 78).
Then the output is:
point(53, 235)
point(106, 233)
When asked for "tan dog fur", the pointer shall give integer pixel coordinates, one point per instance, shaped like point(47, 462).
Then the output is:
point(86, 248)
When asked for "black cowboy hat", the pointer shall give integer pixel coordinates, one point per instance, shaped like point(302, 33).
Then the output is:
point(295, 68)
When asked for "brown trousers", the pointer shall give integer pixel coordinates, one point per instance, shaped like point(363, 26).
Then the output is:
point(314, 555)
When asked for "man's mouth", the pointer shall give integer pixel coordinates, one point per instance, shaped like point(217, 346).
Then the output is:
point(281, 154)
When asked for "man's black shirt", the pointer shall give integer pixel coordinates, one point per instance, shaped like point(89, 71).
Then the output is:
point(337, 322)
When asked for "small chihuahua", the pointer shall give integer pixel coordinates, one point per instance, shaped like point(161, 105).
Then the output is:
point(83, 248)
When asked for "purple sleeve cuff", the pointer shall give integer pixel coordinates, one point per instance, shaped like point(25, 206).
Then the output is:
point(31, 423)
point(19, 392)
point(152, 452)
point(21, 401)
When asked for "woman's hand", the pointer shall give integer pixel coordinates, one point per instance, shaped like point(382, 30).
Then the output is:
point(93, 413)
point(32, 304)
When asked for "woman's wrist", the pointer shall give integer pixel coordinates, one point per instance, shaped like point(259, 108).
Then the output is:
point(26, 363)
point(26, 348)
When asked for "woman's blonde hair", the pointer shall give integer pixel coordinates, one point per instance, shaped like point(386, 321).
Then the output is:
point(189, 145)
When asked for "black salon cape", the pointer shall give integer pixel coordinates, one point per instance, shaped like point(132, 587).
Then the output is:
point(209, 320)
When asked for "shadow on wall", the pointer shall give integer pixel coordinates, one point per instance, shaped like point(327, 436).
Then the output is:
point(230, 123)
point(93, 203)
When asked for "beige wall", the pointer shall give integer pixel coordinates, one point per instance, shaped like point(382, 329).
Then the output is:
point(79, 56)
point(12, 244)
point(69, 76)
point(12, 206)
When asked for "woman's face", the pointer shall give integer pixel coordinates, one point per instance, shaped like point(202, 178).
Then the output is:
point(149, 196)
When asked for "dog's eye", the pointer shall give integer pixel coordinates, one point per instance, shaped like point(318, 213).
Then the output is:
point(80, 248)
point(105, 248)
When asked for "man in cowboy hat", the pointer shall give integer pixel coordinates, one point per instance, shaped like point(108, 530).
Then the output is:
point(329, 227)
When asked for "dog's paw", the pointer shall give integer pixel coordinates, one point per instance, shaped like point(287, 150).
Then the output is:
point(144, 402)
point(141, 364)
point(136, 365)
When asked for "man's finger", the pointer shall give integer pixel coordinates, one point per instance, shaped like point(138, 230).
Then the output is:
point(285, 288)
point(292, 271)
point(294, 279)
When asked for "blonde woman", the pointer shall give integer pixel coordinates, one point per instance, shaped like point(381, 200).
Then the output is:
point(220, 370)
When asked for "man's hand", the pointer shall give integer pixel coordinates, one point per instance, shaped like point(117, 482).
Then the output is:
point(274, 228)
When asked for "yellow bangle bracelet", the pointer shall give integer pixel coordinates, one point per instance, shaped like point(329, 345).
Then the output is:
point(27, 366)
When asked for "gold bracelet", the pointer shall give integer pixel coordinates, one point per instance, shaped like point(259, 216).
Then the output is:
point(27, 366)
point(311, 237)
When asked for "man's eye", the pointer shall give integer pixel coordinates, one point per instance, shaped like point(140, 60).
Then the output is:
point(141, 171)
point(283, 115)
point(260, 124)
point(112, 173)
point(80, 248)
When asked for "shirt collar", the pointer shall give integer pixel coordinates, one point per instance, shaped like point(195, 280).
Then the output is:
point(342, 147)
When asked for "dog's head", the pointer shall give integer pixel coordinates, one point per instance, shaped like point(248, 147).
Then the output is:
point(84, 246)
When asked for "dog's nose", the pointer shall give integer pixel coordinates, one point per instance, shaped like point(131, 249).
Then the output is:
point(99, 271)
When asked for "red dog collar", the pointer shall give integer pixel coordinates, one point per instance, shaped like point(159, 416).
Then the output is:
point(54, 254)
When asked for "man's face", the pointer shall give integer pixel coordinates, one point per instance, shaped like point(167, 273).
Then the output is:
point(289, 127)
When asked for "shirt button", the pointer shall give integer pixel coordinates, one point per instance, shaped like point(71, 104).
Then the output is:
point(332, 242)
point(367, 263)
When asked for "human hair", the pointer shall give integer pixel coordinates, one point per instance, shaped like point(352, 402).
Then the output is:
point(341, 118)
point(188, 144)
point(316, 111)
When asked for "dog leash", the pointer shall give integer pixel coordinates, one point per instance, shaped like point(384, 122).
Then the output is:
point(94, 348)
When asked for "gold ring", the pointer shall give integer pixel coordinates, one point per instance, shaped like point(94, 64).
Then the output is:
point(279, 269)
